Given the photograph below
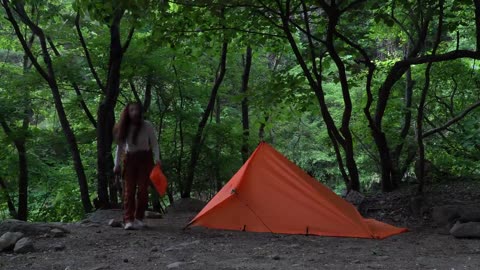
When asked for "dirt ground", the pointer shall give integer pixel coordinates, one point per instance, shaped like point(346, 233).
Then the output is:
point(93, 245)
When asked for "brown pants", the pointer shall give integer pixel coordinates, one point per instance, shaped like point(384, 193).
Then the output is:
point(137, 168)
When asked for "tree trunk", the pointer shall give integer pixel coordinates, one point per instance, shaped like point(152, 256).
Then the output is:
point(245, 122)
point(76, 88)
point(19, 142)
point(50, 78)
point(397, 171)
point(261, 130)
point(421, 105)
point(11, 206)
point(196, 144)
point(340, 137)
point(347, 142)
point(22, 181)
point(105, 114)
point(477, 22)
point(148, 94)
point(218, 148)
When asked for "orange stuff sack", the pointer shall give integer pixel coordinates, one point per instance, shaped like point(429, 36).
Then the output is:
point(159, 180)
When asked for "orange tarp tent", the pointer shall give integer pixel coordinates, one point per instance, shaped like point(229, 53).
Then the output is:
point(271, 194)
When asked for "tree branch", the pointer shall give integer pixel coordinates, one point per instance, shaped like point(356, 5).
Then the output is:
point(134, 90)
point(87, 53)
point(129, 39)
point(453, 120)
point(76, 88)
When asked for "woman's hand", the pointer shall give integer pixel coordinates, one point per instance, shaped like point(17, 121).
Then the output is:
point(117, 170)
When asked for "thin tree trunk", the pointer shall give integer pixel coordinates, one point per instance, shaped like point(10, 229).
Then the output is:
point(155, 196)
point(22, 181)
point(261, 129)
point(76, 88)
point(421, 105)
point(354, 182)
point(196, 144)
point(148, 94)
point(218, 148)
point(245, 122)
point(397, 173)
point(477, 22)
point(50, 78)
point(10, 204)
point(314, 79)
point(179, 125)
point(105, 113)
point(19, 142)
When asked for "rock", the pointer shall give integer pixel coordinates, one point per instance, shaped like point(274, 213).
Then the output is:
point(354, 197)
point(28, 228)
point(183, 245)
point(466, 230)
point(470, 215)
point(102, 216)
point(57, 233)
point(100, 267)
point(84, 221)
point(175, 265)
point(150, 214)
point(114, 223)
point(186, 205)
point(449, 214)
point(443, 215)
point(23, 245)
point(154, 249)
point(418, 206)
point(275, 257)
point(59, 247)
point(8, 240)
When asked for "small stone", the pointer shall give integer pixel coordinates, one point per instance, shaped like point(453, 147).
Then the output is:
point(175, 265)
point(59, 247)
point(100, 267)
point(154, 249)
point(397, 218)
point(354, 197)
point(114, 223)
point(125, 260)
point(466, 230)
point(276, 257)
point(150, 214)
point(8, 240)
point(23, 245)
point(57, 233)
point(85, 221)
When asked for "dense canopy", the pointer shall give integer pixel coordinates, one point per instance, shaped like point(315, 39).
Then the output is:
point(361, 94)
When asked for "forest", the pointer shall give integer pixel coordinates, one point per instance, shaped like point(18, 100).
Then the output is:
point(363, 95)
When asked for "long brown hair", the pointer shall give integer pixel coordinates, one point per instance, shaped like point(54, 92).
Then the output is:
point(122, 127)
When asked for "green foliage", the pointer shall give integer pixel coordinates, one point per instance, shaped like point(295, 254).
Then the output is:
point(175, 51)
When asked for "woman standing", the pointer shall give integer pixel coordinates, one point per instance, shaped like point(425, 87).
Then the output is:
point(136, 140)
